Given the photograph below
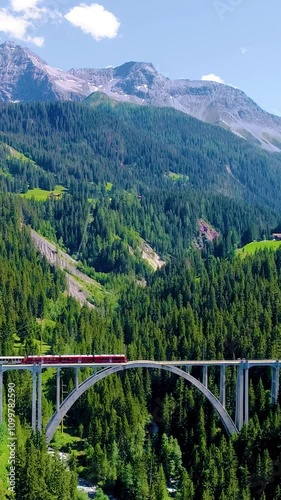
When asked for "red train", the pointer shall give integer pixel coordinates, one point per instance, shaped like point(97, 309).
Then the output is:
point(64, 359)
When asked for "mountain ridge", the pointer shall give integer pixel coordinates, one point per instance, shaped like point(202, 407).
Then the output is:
point(24, 76)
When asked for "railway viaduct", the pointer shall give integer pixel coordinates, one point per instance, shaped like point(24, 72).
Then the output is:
point(180, 368)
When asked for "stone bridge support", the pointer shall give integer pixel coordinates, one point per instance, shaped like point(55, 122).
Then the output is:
point(275, 383)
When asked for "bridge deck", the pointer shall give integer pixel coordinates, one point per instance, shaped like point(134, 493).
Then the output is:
point(252, 362)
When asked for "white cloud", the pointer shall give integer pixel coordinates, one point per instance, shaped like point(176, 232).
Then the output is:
point(23, 5)
point(13, 26)
point(36, 40)
point(215, 78)
point(243, 50)
point(30, 9)
point(212, 78)
point(94, 20)
point(20, 19)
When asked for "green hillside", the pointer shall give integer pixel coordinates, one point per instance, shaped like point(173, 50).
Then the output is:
point(137, 178)
point(257, 246)
point(137, 147)
point(165, 169)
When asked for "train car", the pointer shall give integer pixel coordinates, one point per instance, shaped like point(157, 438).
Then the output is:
point(73, 358)
point(11, 360)
point(77, 358)
point(32, 360)
point(50, 359)
point(110, 358)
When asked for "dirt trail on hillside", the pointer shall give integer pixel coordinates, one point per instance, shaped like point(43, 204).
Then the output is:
point(65, 263)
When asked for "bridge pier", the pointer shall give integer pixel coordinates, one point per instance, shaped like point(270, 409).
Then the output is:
point(76, 378)
point(222, 385)
point(242, 395)
point(275, 383)
point(246, 393)
point(58, 389)
point(1, 394)
point(205, 376)
point(239, 412)
point(39, 401)
point(33, 415)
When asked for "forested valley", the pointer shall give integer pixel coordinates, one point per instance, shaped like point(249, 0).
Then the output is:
point(133, 175)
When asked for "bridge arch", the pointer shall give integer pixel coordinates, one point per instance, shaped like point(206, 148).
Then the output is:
point(69, 401)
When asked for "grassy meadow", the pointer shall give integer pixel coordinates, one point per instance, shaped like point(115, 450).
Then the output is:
point(256, 246)
point(42, 194)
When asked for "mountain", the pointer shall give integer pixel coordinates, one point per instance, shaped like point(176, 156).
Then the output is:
point(26, 77)
point(210, 102)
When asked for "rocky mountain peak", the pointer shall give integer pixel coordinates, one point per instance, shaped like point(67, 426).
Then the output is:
point(24, 76)
point(10, 52)
point(134, 67)
point(137, 78)
point(9, 44)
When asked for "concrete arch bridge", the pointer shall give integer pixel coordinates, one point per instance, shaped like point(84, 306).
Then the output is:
point(179, 368)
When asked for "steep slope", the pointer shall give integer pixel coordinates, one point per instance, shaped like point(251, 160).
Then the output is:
point(60, 259)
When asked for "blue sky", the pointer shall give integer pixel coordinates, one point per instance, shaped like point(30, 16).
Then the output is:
point(237, 41)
